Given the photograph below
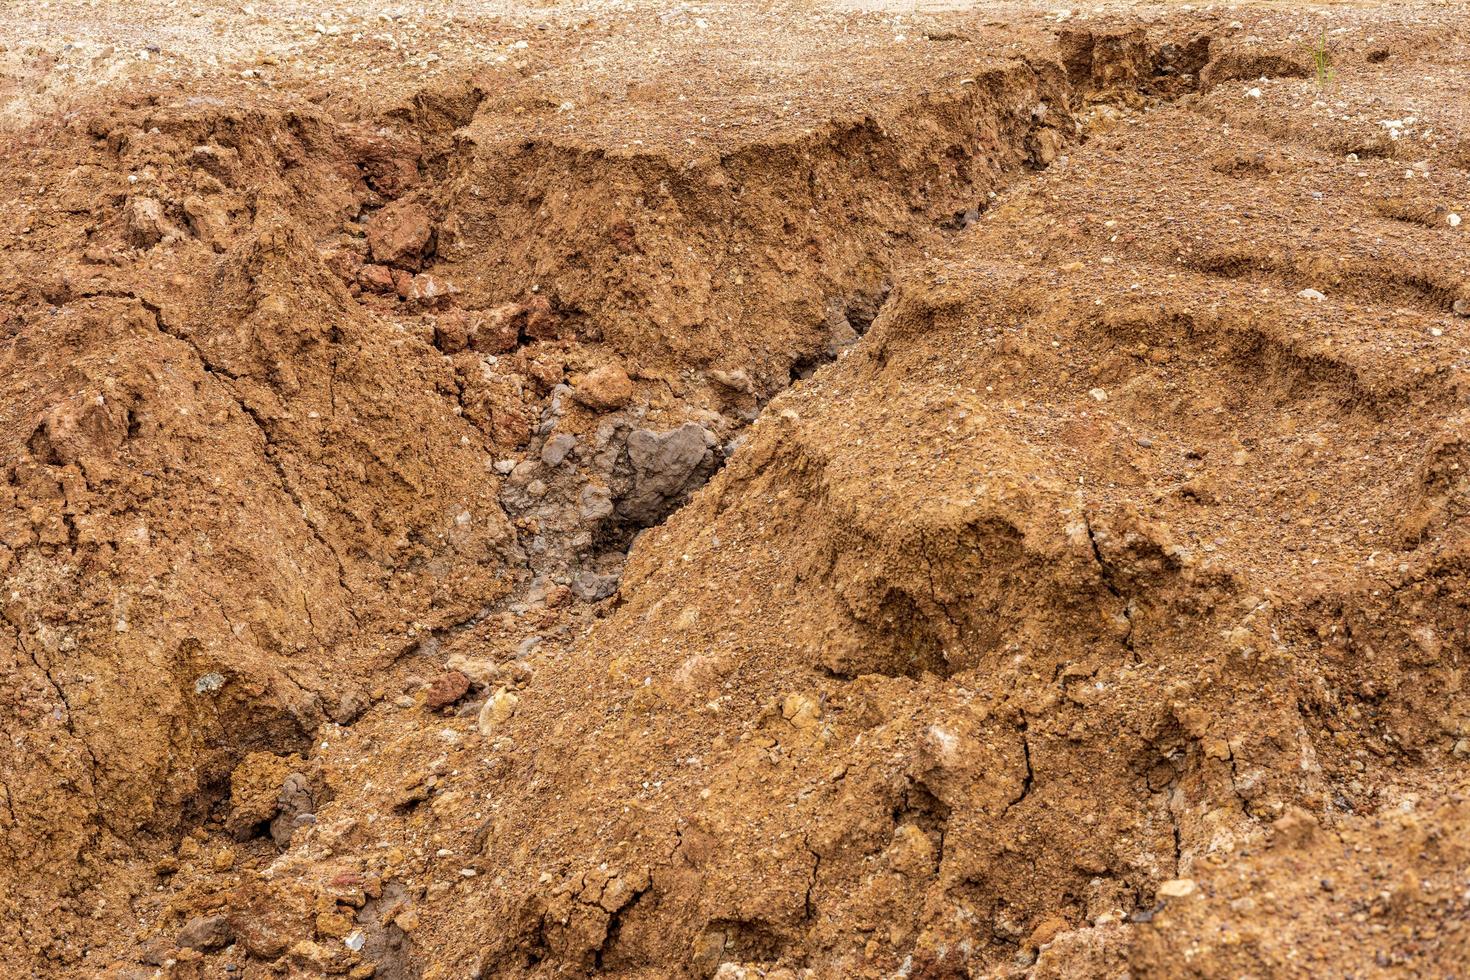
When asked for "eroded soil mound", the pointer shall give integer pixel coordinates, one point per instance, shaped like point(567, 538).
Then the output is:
point(736, 492)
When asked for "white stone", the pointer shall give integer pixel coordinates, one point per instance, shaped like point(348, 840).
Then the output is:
point(1178, 888)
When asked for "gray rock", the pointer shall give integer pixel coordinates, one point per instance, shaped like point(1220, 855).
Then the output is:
point(595, 503)
point(523, 472)
point(557, 448)
point(606, 430)
point(664, 464)
point(296, 805)
point(593, 586)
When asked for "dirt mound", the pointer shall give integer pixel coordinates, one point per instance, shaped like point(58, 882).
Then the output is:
point(960, 498)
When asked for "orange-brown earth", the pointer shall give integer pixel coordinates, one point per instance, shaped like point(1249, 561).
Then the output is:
point(778, 490)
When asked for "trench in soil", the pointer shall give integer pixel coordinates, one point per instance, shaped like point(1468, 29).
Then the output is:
point(565, 541)
point(847, 312)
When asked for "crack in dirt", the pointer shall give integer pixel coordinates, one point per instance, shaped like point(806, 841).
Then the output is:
point(615, 924)
point(809, 907)
point(61, 695)
point(270, 449)
point(10, 808)
point(934, 593)
point(227, 380)
point(1108, 579)
point(1178, 839)
point(1235, 784)
point(1030, 777)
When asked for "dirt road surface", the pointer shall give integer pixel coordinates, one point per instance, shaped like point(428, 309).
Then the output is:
point(785, 490)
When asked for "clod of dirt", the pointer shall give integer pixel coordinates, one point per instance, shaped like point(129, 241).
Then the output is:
point(447, 688)
point(205, 933)
point(605, 388)
point(400, 234)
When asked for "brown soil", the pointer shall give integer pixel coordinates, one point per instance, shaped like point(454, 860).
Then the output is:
point(737, 490)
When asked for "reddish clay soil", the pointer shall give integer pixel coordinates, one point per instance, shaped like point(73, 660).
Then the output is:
point(734, 490)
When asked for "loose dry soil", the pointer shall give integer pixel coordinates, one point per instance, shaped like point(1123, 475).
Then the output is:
point(780, 490)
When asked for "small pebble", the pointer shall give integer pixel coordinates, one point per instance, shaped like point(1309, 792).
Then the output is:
point(1178, 888)
point(497, 710)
